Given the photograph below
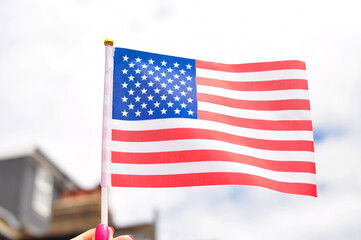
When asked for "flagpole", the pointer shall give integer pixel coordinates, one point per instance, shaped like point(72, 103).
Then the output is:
point(107, 106)
point(104, 205)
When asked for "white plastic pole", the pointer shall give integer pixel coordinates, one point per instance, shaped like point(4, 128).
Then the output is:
point(104, 206)
point(107, 111)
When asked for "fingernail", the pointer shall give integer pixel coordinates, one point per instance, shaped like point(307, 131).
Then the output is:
point(131, 237)
point(101, 232)
point(112, 229)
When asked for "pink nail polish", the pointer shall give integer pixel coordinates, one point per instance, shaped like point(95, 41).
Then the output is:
point(112, 229)
point(131, 237)
point(101, 232)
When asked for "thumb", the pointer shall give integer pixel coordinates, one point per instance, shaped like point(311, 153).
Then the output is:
point(102, 232)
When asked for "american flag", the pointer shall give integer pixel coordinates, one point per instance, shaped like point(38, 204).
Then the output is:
point(180, 122)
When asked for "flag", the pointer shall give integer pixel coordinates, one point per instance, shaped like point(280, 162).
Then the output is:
point(179, 122)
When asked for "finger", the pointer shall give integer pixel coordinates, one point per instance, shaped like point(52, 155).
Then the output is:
point(88, 235)
point(124, 237)
point(111, 233)
point(102, 232)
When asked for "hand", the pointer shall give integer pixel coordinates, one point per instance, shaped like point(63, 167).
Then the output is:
point(102, 232)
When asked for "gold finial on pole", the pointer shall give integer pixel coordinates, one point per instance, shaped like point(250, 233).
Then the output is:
point(108, 41)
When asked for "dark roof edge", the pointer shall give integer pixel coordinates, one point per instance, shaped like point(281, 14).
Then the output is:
point(43, 160)
point(40, 158)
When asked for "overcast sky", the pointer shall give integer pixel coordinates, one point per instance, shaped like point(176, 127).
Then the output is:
point(51, 86)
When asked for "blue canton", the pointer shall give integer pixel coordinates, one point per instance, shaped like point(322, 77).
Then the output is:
point(153, 86)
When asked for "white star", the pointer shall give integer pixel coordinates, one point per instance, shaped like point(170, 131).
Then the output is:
point(150, 84)
point(163, 97)
point(157, 79)
point(188, 78)
point(182, 71)
point(131, 106)
point(176, 98)
point(125, 58)
point(144, 105)
point(183, 93)
point(157, 68)
point(144, 66)
point(183, 105)
point(137, 113)
point(150, 98)
point(131, 92)
point(176, 65)
point(189, 89)
point(163, 111)
point(131, 65)
point(177, 111)
point(125, 71)
point(190, 112)
point(131, 78)
point(125, 99)
point(176, 76)
point(144, 91)
point(137, 84)
point(144, 77)
point(163, 85)
point(190, 100)
point(176, 87)
point(150, 72)
point(125, 85)
point(164, 63)
point(170, 91)
point(163, 74)
point(170, 104)
point(137, 99)
point(137, 71)
point(170, 70)
point(150, 61)
point(170, 80)
point(156, 104)
point(157, 90)
point(150, 112)
point(138, 59)
point(183, 82)
point(125, 113)
point(189, 66)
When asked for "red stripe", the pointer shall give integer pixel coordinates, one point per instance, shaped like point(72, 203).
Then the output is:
point(205, 179)
point(211, 155)
point(270, 105)
point(273, 85)
point(252, 67)
point(291, 125)
point(193, 133)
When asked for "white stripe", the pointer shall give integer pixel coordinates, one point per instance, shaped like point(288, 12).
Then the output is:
point(255, 95)
point(201, 144)
point(170, 123)
point(256, 114)
point(209, 167)
point(252, 76)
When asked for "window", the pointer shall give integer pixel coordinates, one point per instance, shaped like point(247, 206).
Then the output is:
point(43, 193)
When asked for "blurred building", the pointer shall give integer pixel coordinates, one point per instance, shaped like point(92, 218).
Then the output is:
point(38, 201)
